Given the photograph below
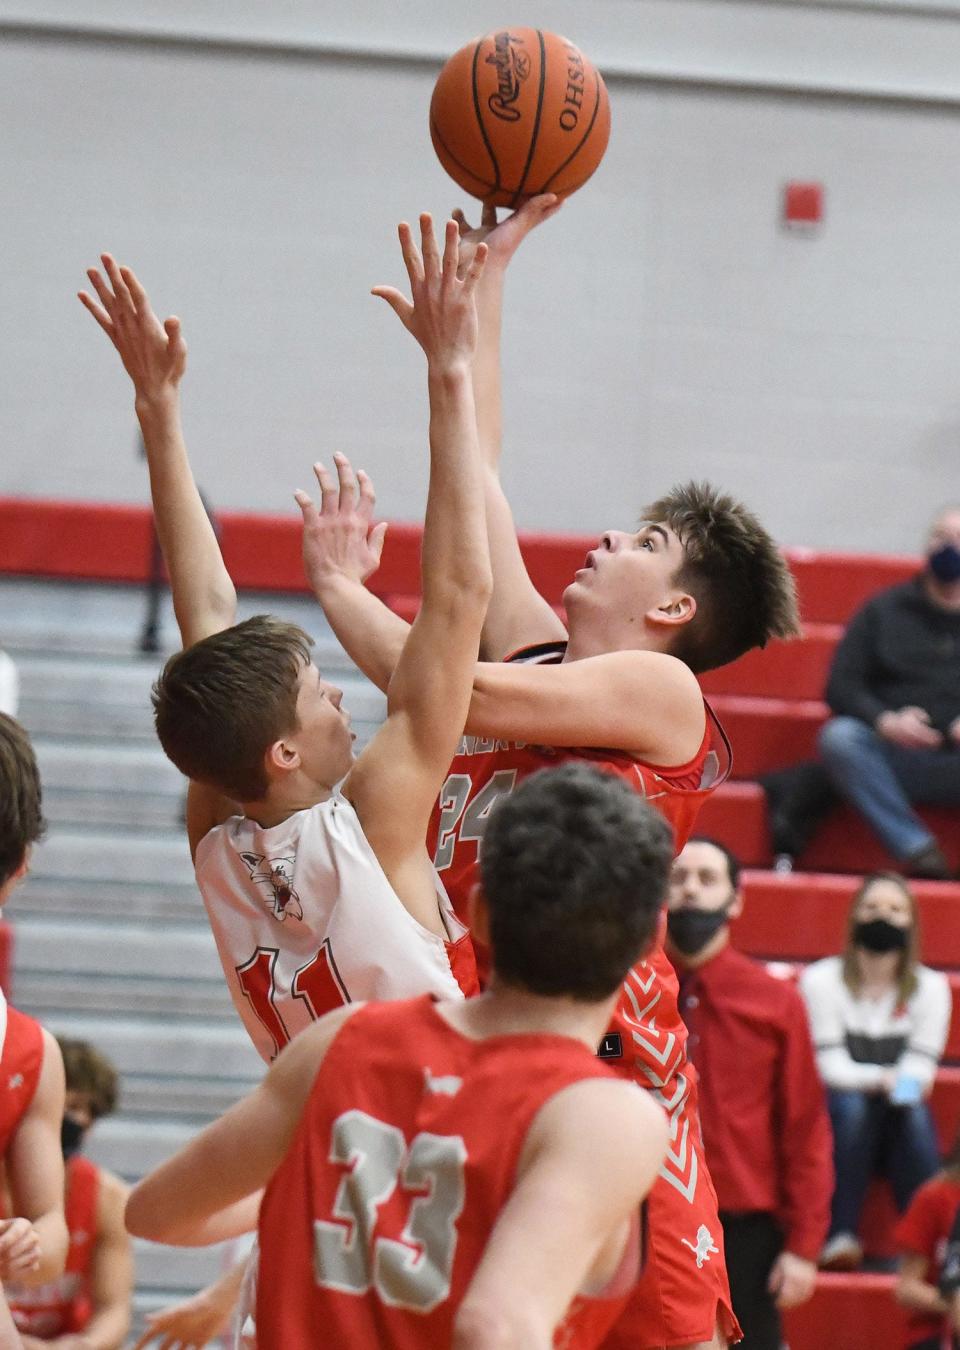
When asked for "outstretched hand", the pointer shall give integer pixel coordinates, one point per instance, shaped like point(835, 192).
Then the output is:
point(154, 354)
point(442, 314)
point(340, 539)
point(503, 239)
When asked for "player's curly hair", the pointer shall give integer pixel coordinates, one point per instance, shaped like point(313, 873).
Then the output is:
point(220, 704)
point(574, 870)
point(21, 798)
point(90, 1073)
point(744, 591)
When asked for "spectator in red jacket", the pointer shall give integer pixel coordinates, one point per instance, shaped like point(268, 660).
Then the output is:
point(923, 1236)
point(765, 1124)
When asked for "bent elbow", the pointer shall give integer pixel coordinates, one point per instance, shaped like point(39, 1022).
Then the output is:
point(484, 1325)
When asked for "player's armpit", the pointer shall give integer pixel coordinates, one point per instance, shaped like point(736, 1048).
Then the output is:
point(577, 1187)
point(646, 703)
point(195, 1197)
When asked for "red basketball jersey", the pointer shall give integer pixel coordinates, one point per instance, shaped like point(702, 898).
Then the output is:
point(20, 1063)
point(374, 1223)
point(647, 1038)
point(64, 1305)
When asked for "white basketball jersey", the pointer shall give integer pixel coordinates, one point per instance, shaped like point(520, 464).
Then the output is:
point(305, 920)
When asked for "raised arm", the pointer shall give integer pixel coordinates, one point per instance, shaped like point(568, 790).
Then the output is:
point(518, 614)
point(396, 780)
point(189, 1199)
point(154, 355)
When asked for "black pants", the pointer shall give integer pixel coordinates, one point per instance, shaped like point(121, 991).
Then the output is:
point(753, 1242)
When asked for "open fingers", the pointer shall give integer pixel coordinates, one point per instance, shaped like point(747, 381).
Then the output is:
point(397, 301)
point(411, 254)
point(329, 492)
point(451, 252)
point(98, 312)
point(104, 293)
point(428, 245)
point(139, 297)
point(475, 270)
point(368, 497)
point(112, 269)
point(347, 480)
point(463, 225)
point(489, 218)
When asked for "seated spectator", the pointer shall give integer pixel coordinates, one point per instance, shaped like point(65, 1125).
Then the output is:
point(894, 689)
point(88, 1306)
point(926, 1285)
point(879, 1020)
point(770, 1156)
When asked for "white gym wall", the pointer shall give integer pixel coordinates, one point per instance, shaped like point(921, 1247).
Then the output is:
point(252, 160)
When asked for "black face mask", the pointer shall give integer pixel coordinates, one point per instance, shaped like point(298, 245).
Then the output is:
point(944, 563)
point(71, 1136)
point(879, 935)
point(691, 929)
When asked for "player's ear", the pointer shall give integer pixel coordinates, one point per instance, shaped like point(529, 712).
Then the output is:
point(280, 758)
point(479, 915)
point(17, 875)
point(674, 610)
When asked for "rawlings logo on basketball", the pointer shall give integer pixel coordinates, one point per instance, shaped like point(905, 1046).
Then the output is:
point(513, 67)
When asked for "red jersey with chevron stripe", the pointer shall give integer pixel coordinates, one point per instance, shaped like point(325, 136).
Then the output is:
point(647, 1038)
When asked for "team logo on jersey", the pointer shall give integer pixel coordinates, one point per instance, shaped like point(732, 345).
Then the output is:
point(276, 874)
point(704, 1246)
point(447, 1085)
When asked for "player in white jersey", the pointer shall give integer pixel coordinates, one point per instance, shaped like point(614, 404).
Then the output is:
point(317, 896)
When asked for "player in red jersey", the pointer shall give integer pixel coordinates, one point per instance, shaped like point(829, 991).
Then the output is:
point(458, 1173)
point(88, 1306)
point(33, 1244)
point(696, 585)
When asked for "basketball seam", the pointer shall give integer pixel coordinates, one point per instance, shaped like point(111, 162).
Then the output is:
point(459, 163)
point(536, 121)
point(479, 117)
point(573, 153)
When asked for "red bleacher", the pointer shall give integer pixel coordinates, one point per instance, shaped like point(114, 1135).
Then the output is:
point(770, 703)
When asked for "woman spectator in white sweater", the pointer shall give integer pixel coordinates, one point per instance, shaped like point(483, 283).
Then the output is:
point(879, 1021)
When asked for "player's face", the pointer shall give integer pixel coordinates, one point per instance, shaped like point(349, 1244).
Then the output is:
point(323, 736)
point(628, 574)
point(885, 900)
point(700, 879)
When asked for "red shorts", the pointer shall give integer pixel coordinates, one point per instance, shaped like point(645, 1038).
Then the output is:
point(683, 1293)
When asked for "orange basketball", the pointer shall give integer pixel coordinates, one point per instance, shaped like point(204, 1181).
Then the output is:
point(519, 112)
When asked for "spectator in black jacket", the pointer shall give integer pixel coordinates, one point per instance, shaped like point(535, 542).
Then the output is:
point(894, 688)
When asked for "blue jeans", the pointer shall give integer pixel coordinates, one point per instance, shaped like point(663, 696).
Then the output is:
point(881, 780)
point(871, 1137)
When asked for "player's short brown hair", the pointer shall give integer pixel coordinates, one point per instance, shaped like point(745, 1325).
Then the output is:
point(21, 799)
point(89, 1072)
point(220, 704)
point(574, 870)
point(736, 573)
